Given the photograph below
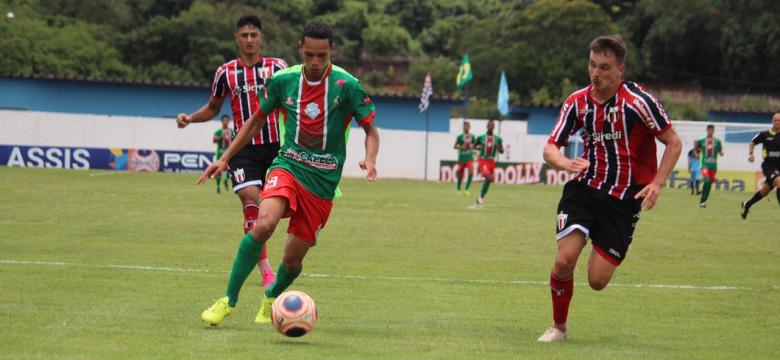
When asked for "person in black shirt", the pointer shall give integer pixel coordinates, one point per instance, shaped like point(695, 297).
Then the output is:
point(770, 140)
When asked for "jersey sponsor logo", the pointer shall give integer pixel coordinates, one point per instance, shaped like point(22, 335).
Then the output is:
point(562, 218)
point(320, 161)
point(586, 111)
point(246, 88)
point(340, 82)
point(312, 110)
point(645, 115)
point(239, 175)
point(599, 136)
point(366, 100)
point(289, 101)
point(773, 154)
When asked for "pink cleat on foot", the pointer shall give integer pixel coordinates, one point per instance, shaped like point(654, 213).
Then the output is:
point(268, 277)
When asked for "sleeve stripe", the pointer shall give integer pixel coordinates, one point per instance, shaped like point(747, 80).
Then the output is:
point(369, 118)
point(562, 129)
point(217, 77)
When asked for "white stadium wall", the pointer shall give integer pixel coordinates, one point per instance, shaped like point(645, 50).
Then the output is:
point(402, 153)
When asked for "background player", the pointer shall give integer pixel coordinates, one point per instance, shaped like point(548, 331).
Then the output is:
point(694, 169)
point(241, 79)
point(317, 96)
point(708, 149)
point(620, 122)
point(222, 138)
point(489, 145)
point(464, 143)
point(770, 140)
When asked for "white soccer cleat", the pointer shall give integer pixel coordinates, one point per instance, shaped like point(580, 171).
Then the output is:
point(552, 334)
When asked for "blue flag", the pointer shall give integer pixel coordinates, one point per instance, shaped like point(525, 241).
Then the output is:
point(503, 96)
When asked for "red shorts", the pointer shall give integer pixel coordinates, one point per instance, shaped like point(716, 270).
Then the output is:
point(465, 165)
point(486, 166)
point(707, 173)
point(308, 213)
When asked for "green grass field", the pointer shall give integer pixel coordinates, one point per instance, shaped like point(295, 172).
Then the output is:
point(120, 265)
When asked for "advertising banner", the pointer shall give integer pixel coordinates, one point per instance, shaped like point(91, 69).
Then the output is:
point(104, 158)
point(541, 173)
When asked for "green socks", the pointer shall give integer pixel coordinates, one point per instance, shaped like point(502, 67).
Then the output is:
point(248, 253)
point(460, 180)
point(706, 192)
point(468, 181)
point(485, 186)
point(283, 280)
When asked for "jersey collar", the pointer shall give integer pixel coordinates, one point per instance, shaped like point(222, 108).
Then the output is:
point(324, 76)
point(259, 60)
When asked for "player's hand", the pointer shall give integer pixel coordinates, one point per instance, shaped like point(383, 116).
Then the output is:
point(370, 167)
point(751, 158)
point(215, 169)
point(576, 165)
point(182, 120)
point(649, 195)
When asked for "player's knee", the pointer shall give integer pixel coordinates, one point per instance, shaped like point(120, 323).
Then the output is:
point(564, 266)
point(264, 227)
point(292, 263)
point(598, 284)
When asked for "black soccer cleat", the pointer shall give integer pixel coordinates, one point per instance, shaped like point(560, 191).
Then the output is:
point(744, 210)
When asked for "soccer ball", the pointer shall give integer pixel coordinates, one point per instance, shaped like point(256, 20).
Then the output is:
point(294, 313)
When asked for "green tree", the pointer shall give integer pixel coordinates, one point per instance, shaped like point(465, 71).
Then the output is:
point(32, 47)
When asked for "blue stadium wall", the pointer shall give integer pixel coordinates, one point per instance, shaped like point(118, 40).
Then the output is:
point(84, 97)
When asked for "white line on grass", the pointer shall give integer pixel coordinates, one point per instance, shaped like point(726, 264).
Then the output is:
point(109, 173)
point(387, 278)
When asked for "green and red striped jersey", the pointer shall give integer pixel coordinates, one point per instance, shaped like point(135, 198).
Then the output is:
point(489, 144)
point(317, 115)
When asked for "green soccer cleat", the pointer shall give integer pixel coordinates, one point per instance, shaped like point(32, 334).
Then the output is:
point(264, 315)
point(214, 314)
point(466, 193)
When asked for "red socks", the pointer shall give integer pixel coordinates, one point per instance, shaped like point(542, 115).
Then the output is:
point(250, 217)
point(562, 291)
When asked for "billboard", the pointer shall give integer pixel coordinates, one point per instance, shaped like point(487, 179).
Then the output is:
point(540, 173)
point(104, 158)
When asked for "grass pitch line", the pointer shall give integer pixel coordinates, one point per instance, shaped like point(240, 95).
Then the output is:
point(386, 278)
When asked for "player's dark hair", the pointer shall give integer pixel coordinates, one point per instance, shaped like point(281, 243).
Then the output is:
point(318, 30)
point(710, 126)
point(613, 43)
point(224, 116)
point(250, 20)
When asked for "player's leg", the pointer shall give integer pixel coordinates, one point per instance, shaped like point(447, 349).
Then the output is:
point(760, 194)
point(458, 175)
point(709, 177)
point(487, 172)
point(776, 185)
point(470, 169)
point(600, 270)
point(249, 249)
point(573, 224)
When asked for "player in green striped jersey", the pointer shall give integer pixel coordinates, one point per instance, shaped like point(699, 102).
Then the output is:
point(708, 149)
point(320, 100)
point(222, 138)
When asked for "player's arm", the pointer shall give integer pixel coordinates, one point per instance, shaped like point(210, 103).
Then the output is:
point(673, 149)
point(751, 147)
point(501, 147)
point(566, 125)
point(205, 113)
point(457, 144)
point(372, 149)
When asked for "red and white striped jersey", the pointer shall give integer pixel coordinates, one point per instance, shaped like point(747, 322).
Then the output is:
point(618, 137)
point(242, 84)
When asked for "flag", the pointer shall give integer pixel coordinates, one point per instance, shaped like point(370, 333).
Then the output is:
point(503, 96)
point(427, 91)
point(464, 73)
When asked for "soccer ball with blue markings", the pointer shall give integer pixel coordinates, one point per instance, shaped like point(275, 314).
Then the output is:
point(294, 313)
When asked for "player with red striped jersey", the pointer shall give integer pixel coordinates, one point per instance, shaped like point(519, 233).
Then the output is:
point(240, 80)
point(320, 100)
point(617, 175)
